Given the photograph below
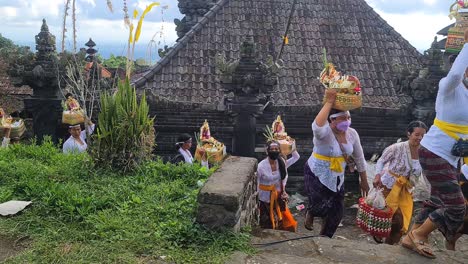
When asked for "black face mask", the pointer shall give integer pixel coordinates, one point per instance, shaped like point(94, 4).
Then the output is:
point(273, 155)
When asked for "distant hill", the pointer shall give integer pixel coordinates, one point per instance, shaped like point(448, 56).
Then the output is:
point(105, 50)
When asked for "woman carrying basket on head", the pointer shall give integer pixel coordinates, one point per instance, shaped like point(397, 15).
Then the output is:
point(396, 169)
point(272, 176)
point(334, 143)
point(446, 208)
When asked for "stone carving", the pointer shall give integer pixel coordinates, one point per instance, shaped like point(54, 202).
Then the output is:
point(248, 84)
point(193, 11)
point(423, 88)
point(248, 76)
point(42, 75)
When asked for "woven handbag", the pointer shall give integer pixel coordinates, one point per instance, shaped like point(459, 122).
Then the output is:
point(374, 221)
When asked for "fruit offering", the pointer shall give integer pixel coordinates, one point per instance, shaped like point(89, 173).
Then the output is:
point(349, 93)
point(214, 149)
point(278, 133)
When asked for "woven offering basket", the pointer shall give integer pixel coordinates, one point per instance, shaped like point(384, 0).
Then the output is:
point(72, 118)
point(16, 131)
point(346, 102)
point(213, 156)
point(287, 147)
point(374, 221)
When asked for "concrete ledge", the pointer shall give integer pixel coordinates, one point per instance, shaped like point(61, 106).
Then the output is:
point(228, 199)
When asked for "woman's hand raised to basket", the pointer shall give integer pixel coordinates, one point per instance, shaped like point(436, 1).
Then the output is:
point(330, 95)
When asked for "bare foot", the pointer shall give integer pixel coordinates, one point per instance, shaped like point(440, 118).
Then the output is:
point(450, 245)
point(417, 236)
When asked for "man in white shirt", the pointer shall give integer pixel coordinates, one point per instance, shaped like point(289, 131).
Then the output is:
point(76, 143)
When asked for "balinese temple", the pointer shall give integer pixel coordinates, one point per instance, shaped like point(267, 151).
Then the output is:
point(226, 68)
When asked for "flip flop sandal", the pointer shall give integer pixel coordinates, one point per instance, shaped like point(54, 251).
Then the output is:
point(421, 247)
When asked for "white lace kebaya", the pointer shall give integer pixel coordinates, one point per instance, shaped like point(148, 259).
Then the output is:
point(266, 176)
point(396, 158)
point(325, 144)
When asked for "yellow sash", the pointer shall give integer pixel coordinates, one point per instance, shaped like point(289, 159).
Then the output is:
point(273, 203)
point(451, 130)
point(400, 197)
point(335, 162)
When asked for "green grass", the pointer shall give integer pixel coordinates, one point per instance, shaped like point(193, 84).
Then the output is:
point(83, 215)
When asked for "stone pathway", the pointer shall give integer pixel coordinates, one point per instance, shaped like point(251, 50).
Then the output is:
point(350, 245)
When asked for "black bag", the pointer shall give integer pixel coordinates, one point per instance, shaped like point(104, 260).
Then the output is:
point(177, 159)
point(460, 149)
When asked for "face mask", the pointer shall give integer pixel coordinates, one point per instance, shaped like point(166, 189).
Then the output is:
point(344, 125)
point(273, 155)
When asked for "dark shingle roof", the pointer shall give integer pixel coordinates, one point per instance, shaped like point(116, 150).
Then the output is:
point(357, 39)
point(445, 30)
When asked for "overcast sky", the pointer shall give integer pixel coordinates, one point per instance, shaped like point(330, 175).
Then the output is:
point(20, 20)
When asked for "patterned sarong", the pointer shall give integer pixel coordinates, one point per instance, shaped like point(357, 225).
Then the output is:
point(323, 202)
point(446, 207)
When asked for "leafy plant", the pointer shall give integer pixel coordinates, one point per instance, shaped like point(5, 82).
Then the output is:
point(125, 133)
point(269, 135)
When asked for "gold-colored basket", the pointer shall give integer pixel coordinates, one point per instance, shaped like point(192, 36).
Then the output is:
point(17, 131)
point(346, 102)
point(72, 118)
point(213, 157)
point(287, 148)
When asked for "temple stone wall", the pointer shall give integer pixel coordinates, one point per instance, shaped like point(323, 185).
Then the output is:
point(228, 200)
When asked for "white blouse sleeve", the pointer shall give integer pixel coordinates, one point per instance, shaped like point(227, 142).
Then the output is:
point(321, 132)
point(295, 157)
point(387, 156)
point(68, 147)
point(455, 75)
point(358, 153)
point(90, 131)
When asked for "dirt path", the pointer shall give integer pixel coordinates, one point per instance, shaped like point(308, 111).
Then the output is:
point(7, 248)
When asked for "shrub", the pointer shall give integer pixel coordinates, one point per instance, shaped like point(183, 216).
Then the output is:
point(125, 133)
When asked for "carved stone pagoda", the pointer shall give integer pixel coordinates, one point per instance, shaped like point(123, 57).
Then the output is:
point(42, 76)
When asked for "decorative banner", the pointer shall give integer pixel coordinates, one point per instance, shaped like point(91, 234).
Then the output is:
point(455, 39)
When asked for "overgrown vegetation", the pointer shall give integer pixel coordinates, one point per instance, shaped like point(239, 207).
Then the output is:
point(125, 134)
point(82, 215)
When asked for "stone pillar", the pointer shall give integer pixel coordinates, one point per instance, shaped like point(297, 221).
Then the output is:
point(245, 127)
point(248, 84)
